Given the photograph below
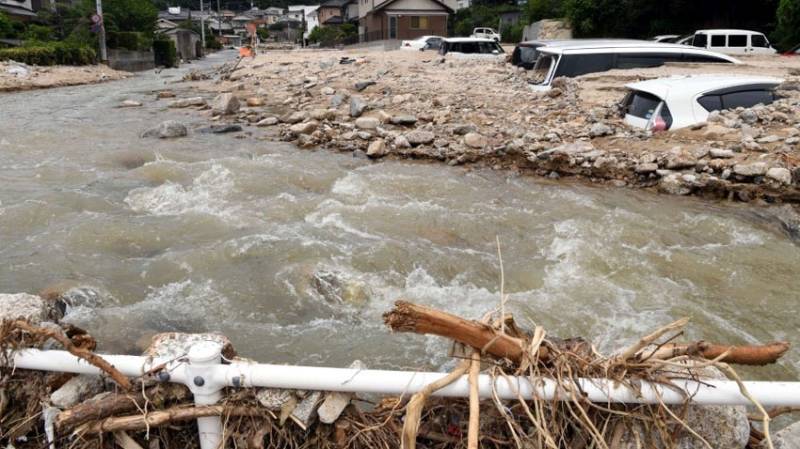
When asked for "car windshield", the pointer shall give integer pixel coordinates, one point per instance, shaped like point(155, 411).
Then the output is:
point(640, 104)
point(542, 68)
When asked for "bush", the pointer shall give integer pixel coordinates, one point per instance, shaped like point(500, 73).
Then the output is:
point(263, 33)
point(129, 40)
point(50, 55)
point(38, 33)
point(788, 29)
point(212, 42)
point(165, 53)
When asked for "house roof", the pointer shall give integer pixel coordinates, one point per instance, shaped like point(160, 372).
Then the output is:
point(389, 2)
point(334, 20)
point(180, 31)
point(334, 3)
point(17, 10)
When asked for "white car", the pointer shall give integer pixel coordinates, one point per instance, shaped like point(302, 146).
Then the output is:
point(471, 48)
point(583, 58)
point(681, 101)
point(422, 43)
point(736, 42)
point(486, 33)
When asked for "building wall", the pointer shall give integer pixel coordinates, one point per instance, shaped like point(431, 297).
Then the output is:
point(377, 26)
point(326, 12)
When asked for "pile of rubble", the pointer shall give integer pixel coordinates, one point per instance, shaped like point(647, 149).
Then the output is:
point(418, 105)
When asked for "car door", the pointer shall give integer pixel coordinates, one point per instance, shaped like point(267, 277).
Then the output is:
point(739, 44)
point(760, 45)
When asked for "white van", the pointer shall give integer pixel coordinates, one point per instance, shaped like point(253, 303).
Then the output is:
point(584, 58)
point(737, 42)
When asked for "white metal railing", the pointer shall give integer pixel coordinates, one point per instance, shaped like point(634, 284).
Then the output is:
point(204, 374)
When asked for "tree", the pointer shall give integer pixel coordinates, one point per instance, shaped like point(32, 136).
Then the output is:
point(545, 9)
point(130, 15)
point(788, 29)
point(6, 27)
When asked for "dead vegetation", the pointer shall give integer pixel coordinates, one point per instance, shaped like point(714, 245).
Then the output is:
point(139, 412)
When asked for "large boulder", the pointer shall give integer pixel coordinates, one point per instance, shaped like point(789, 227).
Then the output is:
point(22, 306)
point(225, 104)
point(172, 345)
point(788, 438)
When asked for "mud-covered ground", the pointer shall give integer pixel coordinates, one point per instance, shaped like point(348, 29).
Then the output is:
point(407, 104)
point(15, 76)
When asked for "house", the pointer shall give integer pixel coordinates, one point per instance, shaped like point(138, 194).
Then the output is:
point(164, 24)
point(19, 9)
point(403, 19)
point(312, 21)
point(188, 44)
point(331, 12)
point(510, 18)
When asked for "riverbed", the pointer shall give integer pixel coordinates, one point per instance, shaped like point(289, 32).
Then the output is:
point(225, 234)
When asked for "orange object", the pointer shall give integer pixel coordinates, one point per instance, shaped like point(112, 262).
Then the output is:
point(245, 52)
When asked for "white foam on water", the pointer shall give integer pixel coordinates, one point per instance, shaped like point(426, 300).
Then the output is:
point(207, 195)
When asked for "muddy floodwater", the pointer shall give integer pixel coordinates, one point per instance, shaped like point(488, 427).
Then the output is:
point(215, 233)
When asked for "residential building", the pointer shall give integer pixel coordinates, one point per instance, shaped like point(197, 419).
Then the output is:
point(403, 19)
point(188, 44)
point(20, 9)
point(461, 4)
point(312, 21)
point(331, 12)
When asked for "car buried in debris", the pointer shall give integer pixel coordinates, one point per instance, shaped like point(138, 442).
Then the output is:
point(468, 47)
point(422, 43)
point(581, 59)
point(682, 101)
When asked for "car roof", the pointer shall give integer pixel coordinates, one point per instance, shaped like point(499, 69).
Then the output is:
point(698, 84)
point(468, 39)
point(727, 31)
point(562, 42)
point(635, 47)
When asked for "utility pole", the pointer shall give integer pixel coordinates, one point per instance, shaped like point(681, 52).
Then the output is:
point(101, 34)
point(219, 18)
point(202, 27)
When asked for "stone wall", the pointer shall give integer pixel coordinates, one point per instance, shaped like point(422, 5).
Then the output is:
point(547, 29)
point(131, 61)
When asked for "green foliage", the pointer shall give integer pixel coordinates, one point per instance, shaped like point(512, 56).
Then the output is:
point(51, 54)
point(544, 9)
point(6, 26)
point(788, 29)
point(481, 15)
point(329, 36)
point(212, 42)
point(130, 15)
point(263, 33)
point(129, 40)
point(165, 53)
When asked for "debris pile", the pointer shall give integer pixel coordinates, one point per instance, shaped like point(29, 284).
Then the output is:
point(82, 411)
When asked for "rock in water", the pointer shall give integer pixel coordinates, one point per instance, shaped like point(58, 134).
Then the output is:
point(377, 148)
point(186, 102)
point(269, 121)
point(167, 130)
point(357, 106)
point(225, 104)
point(221, 129)
point(23, 306)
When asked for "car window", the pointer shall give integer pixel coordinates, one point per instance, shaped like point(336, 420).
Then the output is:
point(640, 104)
point(666, 115)
point(710, 102)
point(690, 57)
point(718, 40)
point(737, 40)
point(525, 56)
point(700, 40)
point(759, 40)
point(747, 98)
point(542, 68)
point(576, 65)
point(636, 60)
point(486, 47)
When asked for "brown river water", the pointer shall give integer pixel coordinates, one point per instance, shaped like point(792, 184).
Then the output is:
point(213, 233)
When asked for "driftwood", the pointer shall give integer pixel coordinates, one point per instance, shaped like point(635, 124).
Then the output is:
point(740, 355)
point(162, 417)
point(83, 353)
point(409, 317)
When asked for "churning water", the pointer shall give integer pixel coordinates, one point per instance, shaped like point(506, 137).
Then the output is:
point(213, 233)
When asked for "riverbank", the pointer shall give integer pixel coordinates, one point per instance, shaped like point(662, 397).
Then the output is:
point(404, 104)
point(16, 76)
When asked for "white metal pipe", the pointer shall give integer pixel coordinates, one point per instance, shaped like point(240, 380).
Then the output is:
point(712, 392)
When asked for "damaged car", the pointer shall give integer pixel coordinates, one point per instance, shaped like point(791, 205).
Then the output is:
point(682, 101)
point(469, 47)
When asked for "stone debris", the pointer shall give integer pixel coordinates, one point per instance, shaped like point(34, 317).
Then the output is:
point(22, 306)
point(167, 130)
point(187, 102)
point(225, 104)
point(334, 403)
point(306, 411)
point(171, 345)
point(76, 390)
point(130, 104)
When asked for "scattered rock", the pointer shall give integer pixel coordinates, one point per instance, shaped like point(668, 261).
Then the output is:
point(717, 153)
point(748, 116)
point(649, 167)
point(221, 129)
point(22, 306)
point(255, 101)
point(334, 403)
point(295, 117)
point(274, 399)
point(76, 390)
point(130, 104)
point(361, 85)
point(600, 129)
point(475, 140)
point(187, 102)
point(674, 185)
point(304, 128)
point(269, 121)
point(357, 106)
point(404, 120)
point(170, 345)
point(401, 142)
point(167, 130)
point(305, 412)
point(367, 123)
point(786, 438)
point(327, 90)
point(463, 129)
point(165, 94)
point(377, 148)
point(780, 174)
point(418, 137)
point(225, 104)
point(753, 169)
